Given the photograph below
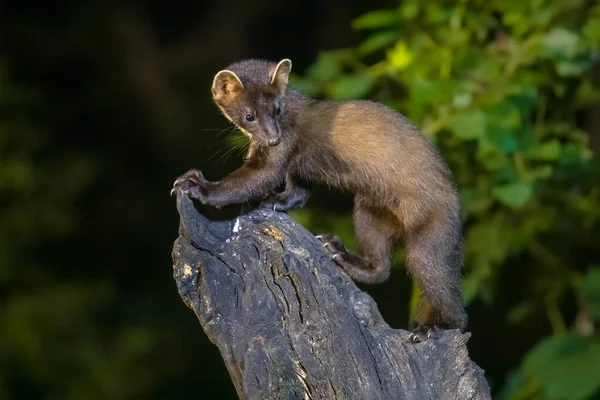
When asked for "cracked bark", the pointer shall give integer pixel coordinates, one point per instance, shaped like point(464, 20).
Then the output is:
point(290, 324)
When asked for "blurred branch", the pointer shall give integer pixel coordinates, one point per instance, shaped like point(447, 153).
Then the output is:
point(289, 323)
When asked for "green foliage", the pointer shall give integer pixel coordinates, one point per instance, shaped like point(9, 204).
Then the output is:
point(559, 367)
point(499, 86)
point(590, 291)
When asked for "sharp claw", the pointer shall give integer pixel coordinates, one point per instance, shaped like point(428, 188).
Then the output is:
point(339, 255)
point(319, 237)
point(172, 192)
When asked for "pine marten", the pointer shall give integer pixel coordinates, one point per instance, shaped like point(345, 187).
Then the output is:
point(403, 188)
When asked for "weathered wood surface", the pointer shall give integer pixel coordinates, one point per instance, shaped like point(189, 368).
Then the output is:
point(290, 324)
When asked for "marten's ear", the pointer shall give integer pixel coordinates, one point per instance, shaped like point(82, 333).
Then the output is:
point(226, 85)
point(281, 73)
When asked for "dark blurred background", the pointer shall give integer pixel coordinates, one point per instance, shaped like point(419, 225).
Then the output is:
point(104, 103)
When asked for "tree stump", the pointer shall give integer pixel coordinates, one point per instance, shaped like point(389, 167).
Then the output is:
point(290, 324)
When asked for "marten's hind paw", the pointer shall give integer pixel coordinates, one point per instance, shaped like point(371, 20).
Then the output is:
point(424, 332)
point(334, 245)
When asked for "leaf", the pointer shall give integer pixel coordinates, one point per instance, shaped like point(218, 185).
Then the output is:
point(503, 126)
point(570, 68)
point(504, 139)
point(468, 125)
point(425, 92)
point(325, 68)
point(400, 56)
point(409, 9)
point(524, 97)
point(548, 150)
point(587, 95)
point(591, 30)
point(351, 87)
point(567, 366)
point(561, 42)
point(376, 19)
point(514, 195)
point(490, 156)
point(377, 42)
point(462, 100)
point(550, 349)
point(504, 115)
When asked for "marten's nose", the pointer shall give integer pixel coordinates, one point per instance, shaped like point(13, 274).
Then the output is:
point(274, 142)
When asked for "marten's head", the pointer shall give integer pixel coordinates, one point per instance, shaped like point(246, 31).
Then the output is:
point(250, 94)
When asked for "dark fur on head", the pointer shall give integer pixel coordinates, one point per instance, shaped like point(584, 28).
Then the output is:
point(250, 93)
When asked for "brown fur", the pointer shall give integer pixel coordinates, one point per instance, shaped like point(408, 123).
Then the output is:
point(403, 188)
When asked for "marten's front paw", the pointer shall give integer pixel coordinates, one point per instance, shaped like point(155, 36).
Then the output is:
point(191, 183)
point(274, 203)
point(334, 245)
point(424, 332)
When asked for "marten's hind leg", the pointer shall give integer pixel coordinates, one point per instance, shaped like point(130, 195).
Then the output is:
point(433, 258)
point(375, 233)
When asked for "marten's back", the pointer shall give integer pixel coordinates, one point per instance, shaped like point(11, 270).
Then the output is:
point(367, 147)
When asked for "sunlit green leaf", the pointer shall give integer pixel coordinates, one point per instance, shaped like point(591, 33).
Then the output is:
point(591, 30)
point(549, 150)
point(561, 42)
point(567, 366)
point(468, 124)
point(400, 56)
point(462, 100)
point(514, 195)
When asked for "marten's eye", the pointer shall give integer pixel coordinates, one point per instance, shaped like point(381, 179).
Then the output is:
point(278, 111)
point(249, 117)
